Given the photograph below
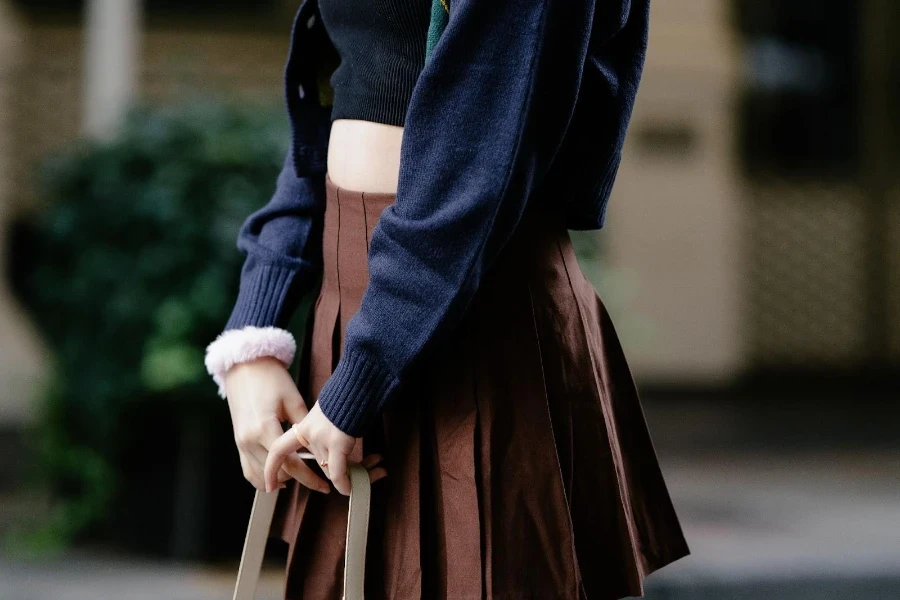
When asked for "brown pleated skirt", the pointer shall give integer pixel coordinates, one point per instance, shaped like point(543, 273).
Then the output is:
point(519, 462)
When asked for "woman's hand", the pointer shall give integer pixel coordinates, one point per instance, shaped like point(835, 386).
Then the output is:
point(327, 443)
point(261, 394)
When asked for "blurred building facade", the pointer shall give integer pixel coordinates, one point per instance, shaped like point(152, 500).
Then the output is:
point(720, 269)
point(674, 229)
point(756, 219)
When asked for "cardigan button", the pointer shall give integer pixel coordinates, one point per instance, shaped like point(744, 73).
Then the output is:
point(301, 92)
point(311, 22)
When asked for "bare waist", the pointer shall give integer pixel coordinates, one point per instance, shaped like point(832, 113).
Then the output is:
point(364, 156)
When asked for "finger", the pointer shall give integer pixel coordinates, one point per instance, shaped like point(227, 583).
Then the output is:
point(305, 475)
point(296, 468)
point(246, 471)
point(294, 408)
point(337, 472)
point(284, 475)
point(293, 467)
point(371, 460)
point(257, 465)
point(307, 452)
point(259, 460)
point(301, 470)
point(376, 474)
point(319, 455)
point(279, 451)
point(270, 431)
point(257, 455)
point(252, 471)
point(298, 433)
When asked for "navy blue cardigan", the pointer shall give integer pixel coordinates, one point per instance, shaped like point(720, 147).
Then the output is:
point(514, 97)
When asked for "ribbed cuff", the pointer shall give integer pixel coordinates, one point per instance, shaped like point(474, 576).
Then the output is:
point(603, 190)
point(356, 392)
point(591, 213)
point(261, 298)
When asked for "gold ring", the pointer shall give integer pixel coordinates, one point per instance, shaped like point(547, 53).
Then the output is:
point(303, 441)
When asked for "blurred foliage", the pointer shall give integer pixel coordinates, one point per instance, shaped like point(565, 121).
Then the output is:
point(616, 286)
point(132, 271)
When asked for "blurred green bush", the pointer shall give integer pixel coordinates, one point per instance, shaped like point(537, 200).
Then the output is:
point(131, 271)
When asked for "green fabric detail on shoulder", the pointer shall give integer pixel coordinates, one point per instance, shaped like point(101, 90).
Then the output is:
point(440, 14)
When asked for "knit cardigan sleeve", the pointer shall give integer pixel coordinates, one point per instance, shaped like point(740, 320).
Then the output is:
point(486, 118)
point(283, 245)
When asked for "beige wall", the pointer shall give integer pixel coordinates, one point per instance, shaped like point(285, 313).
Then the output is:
point(673, 222)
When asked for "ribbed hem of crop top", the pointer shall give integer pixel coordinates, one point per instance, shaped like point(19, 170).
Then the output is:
point(389, 109)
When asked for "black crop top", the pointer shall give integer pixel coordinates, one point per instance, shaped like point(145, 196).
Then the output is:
point(381, 44)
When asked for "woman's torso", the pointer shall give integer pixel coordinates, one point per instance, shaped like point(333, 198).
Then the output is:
point(381, 44)
point(364, 156)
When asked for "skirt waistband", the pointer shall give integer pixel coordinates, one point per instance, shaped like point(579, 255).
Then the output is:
point(372, 202)
point(351, 217)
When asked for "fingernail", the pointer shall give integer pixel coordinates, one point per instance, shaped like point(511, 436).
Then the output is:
point(325, 489)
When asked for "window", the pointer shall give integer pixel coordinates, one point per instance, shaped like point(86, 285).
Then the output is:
point(799, 109)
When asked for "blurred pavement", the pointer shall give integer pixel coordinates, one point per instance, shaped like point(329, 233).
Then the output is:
point(785, 527)
point(776, 526)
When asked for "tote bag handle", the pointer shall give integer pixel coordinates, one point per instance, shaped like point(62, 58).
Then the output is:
point(357, 532)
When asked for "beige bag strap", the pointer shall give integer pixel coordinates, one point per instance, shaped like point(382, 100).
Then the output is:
point(255, 544)
point(357, 532)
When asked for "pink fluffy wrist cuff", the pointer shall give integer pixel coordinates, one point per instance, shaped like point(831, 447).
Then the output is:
point(242, 345)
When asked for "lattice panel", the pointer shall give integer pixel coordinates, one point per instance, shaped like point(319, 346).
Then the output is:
point(806, 276)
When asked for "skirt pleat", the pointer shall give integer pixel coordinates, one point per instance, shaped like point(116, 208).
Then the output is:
point(528, 531)
point(454, 531)
point(519, 461)
point(328, 303)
